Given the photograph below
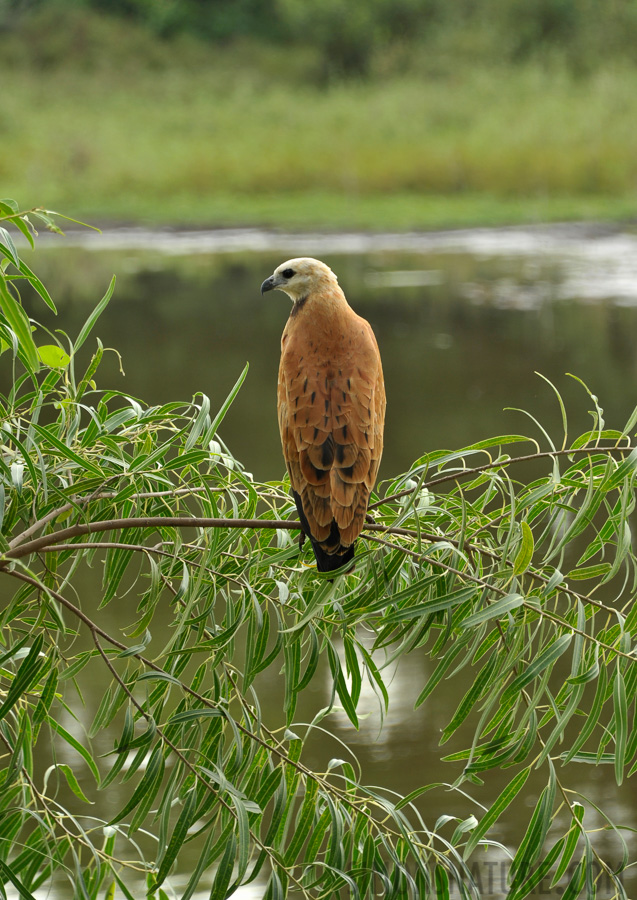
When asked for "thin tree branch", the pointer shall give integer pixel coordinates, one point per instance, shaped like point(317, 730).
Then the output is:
point(540, 611)
point(104, 495)
point(476, 470)
point(79, 529)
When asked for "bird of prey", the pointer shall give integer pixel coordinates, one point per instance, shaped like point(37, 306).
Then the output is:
point(331, 404)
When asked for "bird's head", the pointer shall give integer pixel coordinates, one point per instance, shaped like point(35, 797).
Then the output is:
point(300, 277)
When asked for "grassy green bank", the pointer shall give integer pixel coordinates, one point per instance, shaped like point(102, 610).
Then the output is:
point(182, 133)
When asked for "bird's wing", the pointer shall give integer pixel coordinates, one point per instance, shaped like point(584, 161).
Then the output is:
point(332, 437)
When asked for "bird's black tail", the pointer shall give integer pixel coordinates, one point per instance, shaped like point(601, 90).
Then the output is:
point(325, 562)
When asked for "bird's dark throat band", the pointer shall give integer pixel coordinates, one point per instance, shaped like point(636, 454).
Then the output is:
point(298, 304)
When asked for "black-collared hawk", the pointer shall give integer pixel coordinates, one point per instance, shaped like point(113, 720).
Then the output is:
point(331, 404)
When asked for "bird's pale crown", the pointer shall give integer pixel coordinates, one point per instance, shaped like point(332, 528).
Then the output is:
point(300, 277)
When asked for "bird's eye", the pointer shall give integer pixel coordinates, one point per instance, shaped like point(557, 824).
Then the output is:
point(287, 273)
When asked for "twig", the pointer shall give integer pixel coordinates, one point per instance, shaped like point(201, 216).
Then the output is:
point(540, 611)
point(499, 464)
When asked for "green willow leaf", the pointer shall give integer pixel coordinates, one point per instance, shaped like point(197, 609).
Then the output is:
point(497, 808)
point(66, 452)
point(218, 419)
point(442, 883)
point(19, 323)
point(224, 871)
point(525, 553)
point(592, 719)
point(26, 676)
point(7, 875)
point(471, 697)
point(185, 820)
point(527, 888)
point(199, 424)
point(541, 662)
point(493, 610)
point(36, 284)
point(94, 316)
point(147, 787)
point(303, 823)
point(576, 883)
point(533, 840)
point(570, 845)
point(76, 745)
point(53, 356)
point(72, 782)
point(8, 248)
point(621, 724)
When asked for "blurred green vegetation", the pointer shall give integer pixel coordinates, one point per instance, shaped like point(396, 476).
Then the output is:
point(365, 113)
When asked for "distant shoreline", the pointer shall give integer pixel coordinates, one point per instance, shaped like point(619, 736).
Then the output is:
point(523, 239)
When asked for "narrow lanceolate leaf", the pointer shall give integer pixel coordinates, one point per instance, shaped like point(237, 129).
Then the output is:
point(19, 323)
point(8, 248)
point(76, 745)
point(224, 872)
point(37, 285)
point(94, 316)
point(527, 888)
point(199, 423)
point(341, 686)
point(442, 883)
point(510, 792)
point(533, 841)
point(65, 451)
point(525, 553)
point(592, 718)
point(25, 677)
point(570, 844)
point(303, 830)
point(439, 673)
point(72, 781)
point(562, 722)
point(471, 697)
point(493, 610)
point(575, 885)
point(7, 875)
point(583, 573)
point(148, 785)
point(46, 697)
point(218, 419)
point(621, 724)
point(545, 659)
point(625, 469)
point(178, 837)
point(448, 601)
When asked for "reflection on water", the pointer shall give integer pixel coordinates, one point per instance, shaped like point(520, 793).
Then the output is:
point(596, 262)
point(463, 321)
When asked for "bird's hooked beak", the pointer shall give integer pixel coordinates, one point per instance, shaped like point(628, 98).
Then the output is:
point(269, 284)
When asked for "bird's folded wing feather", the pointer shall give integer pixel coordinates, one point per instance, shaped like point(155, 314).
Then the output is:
point(332, 436)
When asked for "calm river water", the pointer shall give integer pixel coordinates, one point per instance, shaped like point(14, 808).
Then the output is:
point(463, 320)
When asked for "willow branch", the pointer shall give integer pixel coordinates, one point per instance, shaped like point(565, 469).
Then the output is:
point(83, 528)
point(499, 464)
point(359, 804)
point(102, 495)
point(540, 611)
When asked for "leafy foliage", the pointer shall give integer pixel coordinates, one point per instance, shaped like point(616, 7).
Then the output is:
point(350, 35)
point(467, 561)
